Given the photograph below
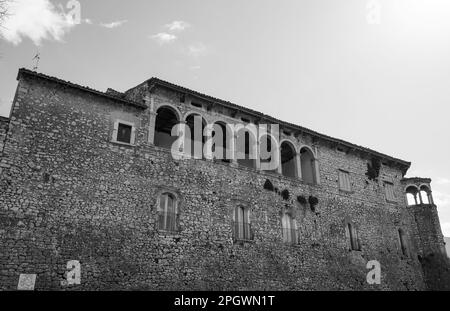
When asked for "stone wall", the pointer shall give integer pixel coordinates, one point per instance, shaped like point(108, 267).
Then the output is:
point(4, 123)
point(68, 193)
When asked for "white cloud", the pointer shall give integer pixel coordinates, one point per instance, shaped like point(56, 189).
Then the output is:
point(164, 37)
point(177, 26)
point(114, 24)
point(34, 19)
point(197, 49)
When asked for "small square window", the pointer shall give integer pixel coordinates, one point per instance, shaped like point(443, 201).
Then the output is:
point(124, 133)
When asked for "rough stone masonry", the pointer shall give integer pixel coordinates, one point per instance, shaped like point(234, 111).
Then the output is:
point(87, 176)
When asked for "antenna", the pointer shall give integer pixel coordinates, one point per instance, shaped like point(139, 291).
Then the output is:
point(36, 58)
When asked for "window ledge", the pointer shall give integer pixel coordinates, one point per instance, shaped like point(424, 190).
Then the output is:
point(169, 233)
point(243, 241)
point(121, 143)
point(347, 191)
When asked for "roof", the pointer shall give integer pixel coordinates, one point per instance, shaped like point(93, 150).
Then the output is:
point(23, 71)
point(156, 81)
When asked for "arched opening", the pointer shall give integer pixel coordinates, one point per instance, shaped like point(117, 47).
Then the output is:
point(308, 166)
point(289, 228)
point(403, 242)
point(246, 148)
point(242, 227)
point(168, 212)
point(166, 119)
point(195, 142)
point(267, 153)
point(410, 198)
point(221, 147)
point(412, 195)
point(425, 193)
point(288, 160)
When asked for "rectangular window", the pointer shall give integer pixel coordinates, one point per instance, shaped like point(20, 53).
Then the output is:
point(344, 181)
point(242, 228)
point(124, 132)
point(389, 189)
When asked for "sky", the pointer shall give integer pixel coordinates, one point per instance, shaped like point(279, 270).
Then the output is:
point(373, 72)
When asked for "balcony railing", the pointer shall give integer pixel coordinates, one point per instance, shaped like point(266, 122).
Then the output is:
point(290, 236)
point(242, 231)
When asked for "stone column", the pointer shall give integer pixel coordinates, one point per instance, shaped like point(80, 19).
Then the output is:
point(258, 157)
point(430, 198)
point(298, 162)
point(149, 101)
point(420, 198)
point(415, 198)
point(233, 148)
point(316, 166)
point(317, 171)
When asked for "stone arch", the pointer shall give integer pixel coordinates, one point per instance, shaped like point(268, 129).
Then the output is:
point(411, 192)
point(174, 108)
point(425, 194)
point(167, 116)
point(246, 145)
point(222, 144)
point(308, 165)
point(288, 156)
point(194, 143)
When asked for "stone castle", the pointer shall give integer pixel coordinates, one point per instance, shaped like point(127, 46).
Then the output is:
point(89, 176)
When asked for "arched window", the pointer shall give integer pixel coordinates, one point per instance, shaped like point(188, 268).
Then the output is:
point(352, 237)
point(222, 136)
point(168, 215)
point(267, 153)
point(166, 119)
point(288, 160)
point(246, 148)
point(242, 228)
point(195, 142)
point(403, 242)
point(425, 193)
point(289, 227)
point(308, 166)
point(412, 195)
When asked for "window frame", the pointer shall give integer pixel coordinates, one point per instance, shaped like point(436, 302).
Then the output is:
point(291, 228)
point(352, 237)
point(392, 199)
point(159, 211)
point(342, 173)
point(240, 226)
point(116, 132)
